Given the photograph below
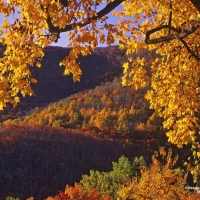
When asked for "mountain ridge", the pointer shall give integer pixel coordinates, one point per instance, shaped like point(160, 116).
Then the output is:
point(52, 85)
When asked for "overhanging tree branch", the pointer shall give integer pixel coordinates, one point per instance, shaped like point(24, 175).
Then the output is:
point(180, 35)
point(107, 9)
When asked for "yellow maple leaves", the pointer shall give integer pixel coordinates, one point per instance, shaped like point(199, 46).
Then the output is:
point(174, 76)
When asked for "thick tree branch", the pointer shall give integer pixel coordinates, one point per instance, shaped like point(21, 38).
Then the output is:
point(180, 35)
point(109, 7)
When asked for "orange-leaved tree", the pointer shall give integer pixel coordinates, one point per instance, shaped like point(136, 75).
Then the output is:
point(76, 193)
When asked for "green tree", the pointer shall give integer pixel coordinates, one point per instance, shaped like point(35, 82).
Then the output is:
point(12, 198)
point(108, 183)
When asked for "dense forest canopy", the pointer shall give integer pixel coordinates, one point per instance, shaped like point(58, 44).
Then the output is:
point(170, 27)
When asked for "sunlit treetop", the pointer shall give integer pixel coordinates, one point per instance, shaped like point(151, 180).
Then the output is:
point(169, 27)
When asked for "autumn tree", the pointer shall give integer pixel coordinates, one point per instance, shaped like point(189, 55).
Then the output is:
point(11, 198)
point(171, 28)
point(160, 181)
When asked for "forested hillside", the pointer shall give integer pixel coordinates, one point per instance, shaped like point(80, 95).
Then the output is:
point(39, 160)
point(109, 106)
point(103, 65)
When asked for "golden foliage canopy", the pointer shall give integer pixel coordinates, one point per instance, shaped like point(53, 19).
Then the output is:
point(169, 27)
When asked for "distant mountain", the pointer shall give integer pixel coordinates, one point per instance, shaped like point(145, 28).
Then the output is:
point(103, 65)
point(96, 68)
